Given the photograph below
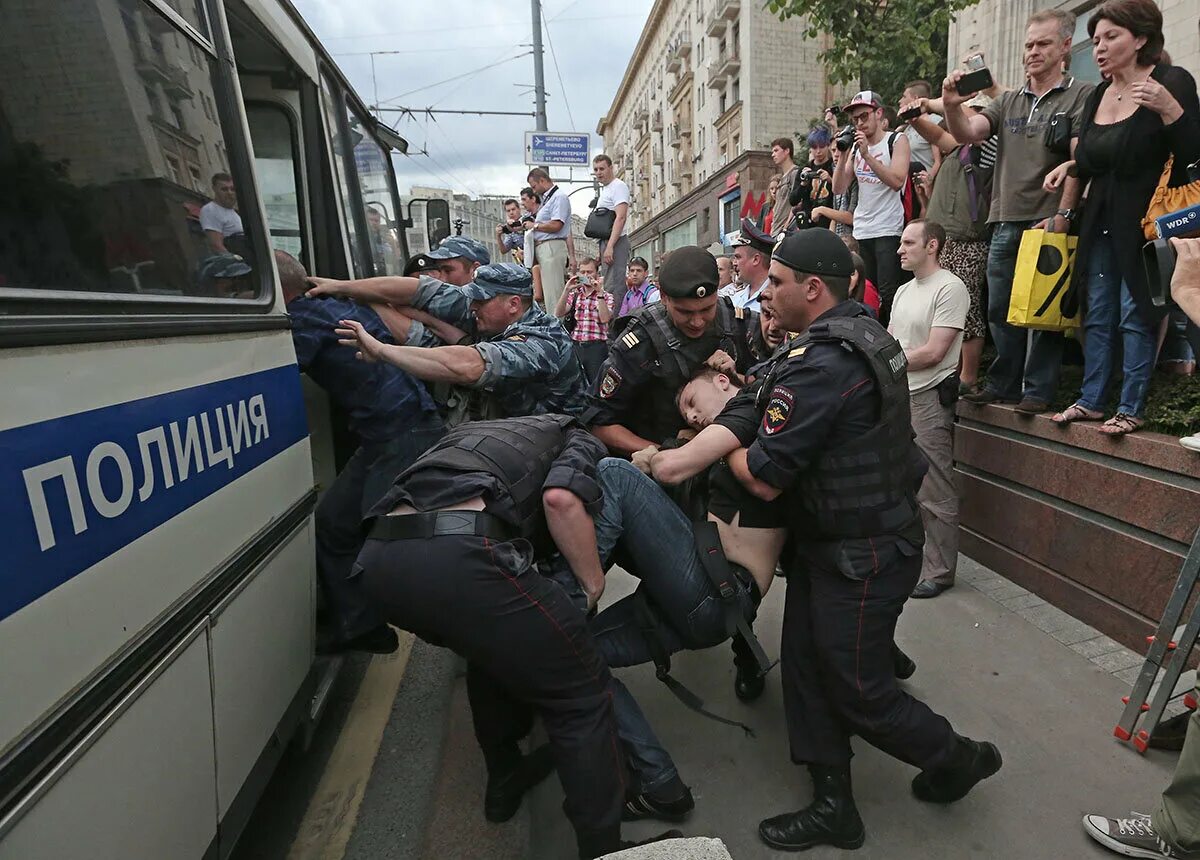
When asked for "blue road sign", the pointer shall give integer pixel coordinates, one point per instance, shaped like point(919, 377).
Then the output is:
point(564, 149)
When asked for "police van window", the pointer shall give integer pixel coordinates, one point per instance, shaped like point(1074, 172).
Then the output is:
point(342, 149)
point(374, 179)
point(275, 164)
point(116, 178)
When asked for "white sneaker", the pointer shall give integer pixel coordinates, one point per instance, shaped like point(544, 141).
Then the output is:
point(1192, 443)
point(1133, 837)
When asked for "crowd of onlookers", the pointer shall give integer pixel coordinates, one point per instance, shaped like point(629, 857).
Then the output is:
point(1051, 152)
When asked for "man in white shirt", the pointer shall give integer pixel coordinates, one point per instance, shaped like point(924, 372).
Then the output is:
point(218, 217)
point(880, 165)
point(614, 251)
point(551, 227)
point(928, 317)
point(752, 259)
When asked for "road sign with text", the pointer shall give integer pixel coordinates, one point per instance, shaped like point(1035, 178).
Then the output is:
point(554, 148)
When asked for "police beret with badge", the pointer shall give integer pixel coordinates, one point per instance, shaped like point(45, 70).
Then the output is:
point(689, 273)
point(815, 252)
point(419, 263)
point(499, 279)
point(460, 246)
point(752, 237)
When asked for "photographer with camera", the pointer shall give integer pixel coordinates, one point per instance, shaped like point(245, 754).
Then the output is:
point(879, 162)
point(586, 309)
point(1145, 113)
point(510, 235)
point(1037, 125)
point(813, 188)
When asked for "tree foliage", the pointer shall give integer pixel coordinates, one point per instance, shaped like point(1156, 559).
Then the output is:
point(878, 44)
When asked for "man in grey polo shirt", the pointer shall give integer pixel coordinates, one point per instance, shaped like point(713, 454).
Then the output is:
point(1027, 363)
point(550, 231)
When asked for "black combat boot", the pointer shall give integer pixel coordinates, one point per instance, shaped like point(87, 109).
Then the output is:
point(748, 683)
point(969, 763)
point(508, 781)
point(902, 665)
point(671, 802)
point(831, 818)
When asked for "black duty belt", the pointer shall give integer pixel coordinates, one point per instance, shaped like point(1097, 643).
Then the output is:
point(441, 524)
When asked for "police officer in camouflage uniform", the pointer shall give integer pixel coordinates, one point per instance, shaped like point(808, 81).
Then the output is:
point(450, 556)
point(829, 431)
point(523, 363)
point(632, 404)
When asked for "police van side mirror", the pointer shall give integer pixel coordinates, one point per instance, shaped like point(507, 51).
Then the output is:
point(437, 221)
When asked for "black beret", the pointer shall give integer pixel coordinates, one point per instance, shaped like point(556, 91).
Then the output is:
point(752, 237)
point(689, 273)
point(816, 252)
point(420, 263)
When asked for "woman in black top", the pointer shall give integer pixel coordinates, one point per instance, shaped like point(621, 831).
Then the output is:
point(1144, 112)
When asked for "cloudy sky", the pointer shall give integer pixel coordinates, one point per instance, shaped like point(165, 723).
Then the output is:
point(441, 51)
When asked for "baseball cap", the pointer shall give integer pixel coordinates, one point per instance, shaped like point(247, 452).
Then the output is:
point(816, 252)
point(752, 237)
point(499, 279)
point(690, 272)
point(866, 98)
point(419, 263)
point(461, 246)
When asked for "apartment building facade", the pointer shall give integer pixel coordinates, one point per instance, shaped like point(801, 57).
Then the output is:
point(710, 84)
point(997, 28)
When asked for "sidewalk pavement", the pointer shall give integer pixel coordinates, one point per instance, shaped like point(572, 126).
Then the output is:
point(999, 662)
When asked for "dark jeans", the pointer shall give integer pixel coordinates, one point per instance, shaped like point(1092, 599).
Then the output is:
point(1027, 361)
point(528, 651)
point(592, 354)
point(339, 536)
point(838, 669)
point(653, 532)
point(881, 264)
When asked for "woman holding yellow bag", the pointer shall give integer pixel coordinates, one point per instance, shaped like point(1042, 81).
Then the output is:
point(1142, 114)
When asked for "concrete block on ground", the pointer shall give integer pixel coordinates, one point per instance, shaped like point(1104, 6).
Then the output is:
point(695, 848)
point(1118, 660)
point(1074, 632)
point(1025, 601)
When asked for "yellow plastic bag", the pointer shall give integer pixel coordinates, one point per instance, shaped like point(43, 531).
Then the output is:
point(1042, 281)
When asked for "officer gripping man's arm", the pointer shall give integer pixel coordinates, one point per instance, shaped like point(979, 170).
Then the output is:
point(835, 437)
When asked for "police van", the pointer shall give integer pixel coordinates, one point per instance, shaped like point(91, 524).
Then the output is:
point(160, 454)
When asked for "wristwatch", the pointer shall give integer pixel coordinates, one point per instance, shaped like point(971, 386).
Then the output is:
point(1069, 214)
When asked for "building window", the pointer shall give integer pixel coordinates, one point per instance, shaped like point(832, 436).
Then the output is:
point(723, 105)
point(737, 90)
point(1083, 66)
point(736, 146)
point(173, 170)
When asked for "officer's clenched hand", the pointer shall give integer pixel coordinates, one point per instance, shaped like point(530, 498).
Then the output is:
point(642, 459)
point(722, 362)
point(324, 287)
point(353, 334)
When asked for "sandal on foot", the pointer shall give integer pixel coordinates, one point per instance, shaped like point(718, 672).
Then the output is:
point(1075, 412)
point(1120, 424)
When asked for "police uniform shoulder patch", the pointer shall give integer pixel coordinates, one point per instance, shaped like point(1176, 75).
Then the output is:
point(609, 382)
point(797, 352)
point(739, 313)
point(630, 340)
point(519, 337)
point(779, 410)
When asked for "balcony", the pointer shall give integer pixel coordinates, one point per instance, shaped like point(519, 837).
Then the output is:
point(673, 136)
point(728, 64)
point(684, 48)
point(656, 153)
point(674, 61)
point(716, 77)
point(716, 26)
point(640, 116)
point(656, 121)
point(728, 9)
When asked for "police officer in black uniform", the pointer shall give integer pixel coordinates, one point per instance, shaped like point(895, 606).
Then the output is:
point(662, 344)
point(450, 556)
point(831, 433)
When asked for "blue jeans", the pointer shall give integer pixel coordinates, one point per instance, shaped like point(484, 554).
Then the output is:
point(1111, 309)
point(1027, 362)
point(658, 539)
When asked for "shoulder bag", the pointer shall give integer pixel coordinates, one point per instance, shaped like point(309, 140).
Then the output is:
point(1166, 200)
